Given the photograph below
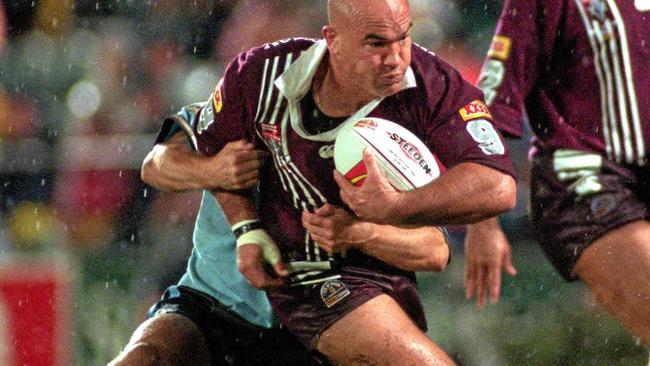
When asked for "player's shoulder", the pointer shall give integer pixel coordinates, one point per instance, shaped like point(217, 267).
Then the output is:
point(439, 81)
point(277, 49)
point(429, 65)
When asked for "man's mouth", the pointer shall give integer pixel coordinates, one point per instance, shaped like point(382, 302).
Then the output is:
point(392, 79)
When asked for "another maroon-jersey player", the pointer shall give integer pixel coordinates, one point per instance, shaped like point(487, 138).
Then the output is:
point(579, 69)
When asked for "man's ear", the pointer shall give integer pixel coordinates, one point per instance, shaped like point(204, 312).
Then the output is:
point(330, 36)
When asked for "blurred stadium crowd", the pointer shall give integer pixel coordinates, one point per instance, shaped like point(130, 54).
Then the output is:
point(83, 86)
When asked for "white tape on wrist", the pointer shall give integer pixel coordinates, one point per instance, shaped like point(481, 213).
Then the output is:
point(259, 237)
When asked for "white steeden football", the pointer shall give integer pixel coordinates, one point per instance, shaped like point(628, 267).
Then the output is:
point(402, 158)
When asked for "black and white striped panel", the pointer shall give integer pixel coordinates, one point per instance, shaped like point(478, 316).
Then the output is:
point(620, 111)
point(273, 109)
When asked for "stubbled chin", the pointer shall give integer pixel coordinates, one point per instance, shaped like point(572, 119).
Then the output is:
point(390, 90)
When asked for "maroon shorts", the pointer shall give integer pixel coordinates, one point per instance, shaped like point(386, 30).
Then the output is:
point(307, 311)
point(573, 206)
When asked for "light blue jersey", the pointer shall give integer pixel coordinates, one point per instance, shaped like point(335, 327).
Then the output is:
point(212, 267)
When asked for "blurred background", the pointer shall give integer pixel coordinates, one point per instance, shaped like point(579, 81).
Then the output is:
point(86, 247)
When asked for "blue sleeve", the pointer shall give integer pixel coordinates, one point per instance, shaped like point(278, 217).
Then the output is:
point(183, 121)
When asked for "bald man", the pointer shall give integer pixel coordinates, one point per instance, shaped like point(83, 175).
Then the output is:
point(352, 297)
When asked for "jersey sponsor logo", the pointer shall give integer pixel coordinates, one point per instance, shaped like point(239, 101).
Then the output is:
point(217, 98)
point(332, 292)
point(642, 5)
point(270, 132)
point(475, 109)
point(500, 47)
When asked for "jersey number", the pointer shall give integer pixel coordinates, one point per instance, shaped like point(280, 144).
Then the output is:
point(487, 137)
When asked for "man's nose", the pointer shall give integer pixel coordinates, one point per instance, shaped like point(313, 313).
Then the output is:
point(393, 56)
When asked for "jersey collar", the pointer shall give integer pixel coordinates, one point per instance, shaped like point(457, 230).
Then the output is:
point(295, 81)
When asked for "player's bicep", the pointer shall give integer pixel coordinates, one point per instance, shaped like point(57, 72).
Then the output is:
point(486, 137)
point(218, 123)
point(470, 136)
point(224, 117)
point(520, 47)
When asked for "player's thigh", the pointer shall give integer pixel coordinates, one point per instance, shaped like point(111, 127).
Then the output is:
point(379, 333)
point(166, 339)
point(616, 267)
point(571, 208)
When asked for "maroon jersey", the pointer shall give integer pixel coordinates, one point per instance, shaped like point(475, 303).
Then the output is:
point(580, 70)
point(259, 99)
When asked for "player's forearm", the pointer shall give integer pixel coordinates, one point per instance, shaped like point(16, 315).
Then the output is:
point(410, 249)
point(237, 206)
point(465, 194)
point(174, 167)
point(485, 227)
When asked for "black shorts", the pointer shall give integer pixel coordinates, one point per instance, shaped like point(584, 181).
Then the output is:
point(307, 311)
point(575, 200)
point(231, 339)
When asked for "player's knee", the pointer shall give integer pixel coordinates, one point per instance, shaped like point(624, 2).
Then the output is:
point(140, 354)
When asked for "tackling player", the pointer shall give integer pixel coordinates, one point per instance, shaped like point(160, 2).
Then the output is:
point(579, 68)
point(291, 97)
point(213, 316)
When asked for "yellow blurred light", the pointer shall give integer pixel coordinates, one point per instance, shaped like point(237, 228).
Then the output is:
point(54, 16)
point(30, 224)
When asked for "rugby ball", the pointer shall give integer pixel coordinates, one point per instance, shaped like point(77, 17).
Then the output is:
point(401, 157)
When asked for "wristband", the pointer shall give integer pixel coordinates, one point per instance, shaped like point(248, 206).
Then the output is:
point(259, 237)
point(445, 233)
point(245, 226)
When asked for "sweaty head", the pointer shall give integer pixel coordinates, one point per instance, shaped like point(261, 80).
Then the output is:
point(369, 43)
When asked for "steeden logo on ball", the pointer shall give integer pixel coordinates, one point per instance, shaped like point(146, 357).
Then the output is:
point(402, 157)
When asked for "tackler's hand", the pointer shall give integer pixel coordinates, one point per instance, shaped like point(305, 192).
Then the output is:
point(251, 264)
point(255, 248)
point(237, 165)
point(335, 229)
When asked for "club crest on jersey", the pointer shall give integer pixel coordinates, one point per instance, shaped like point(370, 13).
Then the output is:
point(475, 109)
point(217, 98)
point(332, 292)
point(500, 47)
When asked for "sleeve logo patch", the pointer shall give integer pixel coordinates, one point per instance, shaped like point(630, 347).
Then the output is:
point(206, 118)
point(475, 109)
point(500, 48)
point(217, 99)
